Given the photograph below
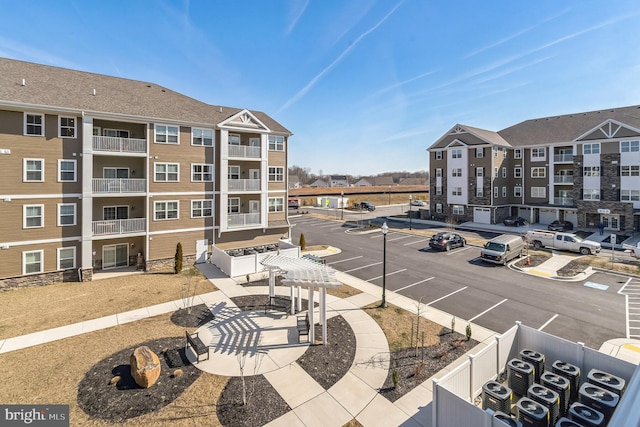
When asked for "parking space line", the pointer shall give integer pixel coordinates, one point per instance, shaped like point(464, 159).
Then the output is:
point(344, 260)
point(417, 241)
point(488, 310)
point(625, 285)
point(413, 284)
point(448, 295)
point(364, 266)
point(547, 322)
point(399, 238)
point(460, 250)
point(336, 228)
point(327, 226)
point(388, 274)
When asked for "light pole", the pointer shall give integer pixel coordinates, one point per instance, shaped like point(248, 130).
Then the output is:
point(410, 212)
point(342, 205)
point(389, 193)
point(384, 230)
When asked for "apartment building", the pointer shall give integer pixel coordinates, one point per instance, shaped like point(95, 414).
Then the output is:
point(582, 167)
point(99, 172)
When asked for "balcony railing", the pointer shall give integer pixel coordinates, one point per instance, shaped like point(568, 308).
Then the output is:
point(243, 220)
point(244, 151)
point(563, 158)
point(244, 185)
point(118, 226)
point(114, 144)
point(118, 185)
point(563, 179)
point(563, 201)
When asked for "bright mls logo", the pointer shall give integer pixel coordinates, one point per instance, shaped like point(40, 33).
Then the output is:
point(37, 415)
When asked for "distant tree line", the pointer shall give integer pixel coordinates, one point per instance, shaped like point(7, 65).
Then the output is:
point(305, 176)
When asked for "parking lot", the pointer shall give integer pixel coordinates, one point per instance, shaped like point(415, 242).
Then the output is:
point(458, 282)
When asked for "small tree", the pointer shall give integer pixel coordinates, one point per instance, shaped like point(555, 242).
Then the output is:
point(303, 242)
point(468, 331)
point(177, 265)
point(453, 324)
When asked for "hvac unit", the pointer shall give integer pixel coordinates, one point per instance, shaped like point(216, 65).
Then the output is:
point(560, 385)
point(599, 399)
point(519, 376)
point(549, 398)
point(536, 359)
point(570, 372)
point(507, 419)
point(586, 416)
point(531, 413)
point(496, 397)
point(566, 422)
point(607, 381)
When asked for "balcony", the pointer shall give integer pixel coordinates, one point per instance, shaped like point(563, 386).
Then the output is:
point(118, 185)
point(243, 220)
point(112, 144)
point(118, 226)
point(244, 151)
point(563, 201)
point(563, 158)
point(244, 185)
point(563, 179)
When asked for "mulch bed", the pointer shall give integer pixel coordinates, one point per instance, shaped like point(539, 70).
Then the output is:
point(125, 399)
point(258, 302)
point(413, 370)
point(194, 318)
point(534, 260)
point(573, 268)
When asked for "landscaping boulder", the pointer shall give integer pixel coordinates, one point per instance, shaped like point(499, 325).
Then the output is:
point(145, 366)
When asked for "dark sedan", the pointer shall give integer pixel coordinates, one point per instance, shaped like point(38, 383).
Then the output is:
point(560, 226)
point(446, 241)
point(514, 221)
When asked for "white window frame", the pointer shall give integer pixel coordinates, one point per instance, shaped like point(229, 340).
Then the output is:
point(539, 172)
point(198, 208)
point(479, 191)
point(59, 258)
point(517, 191)
point(25, 171)
point(277, 175)
point(630, 170)
point(40, 262)
point(439, 173)
point(25, 217)
point(479, 172)
point(591, 171)
point(479, 152)
point(517, 153)
point(538, 192)
point(75, 170)
point(200, 176)
point(495, 151)
point(538, 154)
point(234, 139)
point(458, 209)
point(517, 172)
point(200, 138)
point(276, 143)
point(163, 131)
point(456, 191)
point(456, 172)
point(438, 207)
point(495, 192)
point(504, 153)
point(166, 173)
point(495, 172)
point(504, 172)
point(439, 190)
point(276, 204)
point(163, 208)
point(114, 133)
point(593, 148)
point(233, 205)
point(233, 172)
point(629, 146)
point(590, 194)
point(73, 129)
point(456, 153)
point(629, 195)
point(75, 216)
point(26, 124)
point(438, 155)
point(504, 191)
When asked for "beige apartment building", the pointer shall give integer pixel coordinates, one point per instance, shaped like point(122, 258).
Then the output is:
point(582, 167)
point(99, 172)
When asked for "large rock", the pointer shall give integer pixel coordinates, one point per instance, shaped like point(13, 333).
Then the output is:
point(145, 366)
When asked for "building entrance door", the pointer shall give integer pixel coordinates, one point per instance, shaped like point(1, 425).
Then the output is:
point(114, 256)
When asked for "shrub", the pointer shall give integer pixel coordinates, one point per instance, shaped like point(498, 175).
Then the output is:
point(177, 265)
point(453, 324)
point(419, 369)
point(395, 376)
point(468, 331)
point(303, 242)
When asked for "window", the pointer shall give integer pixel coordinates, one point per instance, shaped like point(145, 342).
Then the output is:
point(276, 174)
point(591, 149)
point(201, 172)
point(538, 154)
point(456, 191)
point(438, 207)
point(439, 173)
point(439, 191)
point(479, 172)
point(590, 194)
point(538, 172)
point(504, 191)
point(517, 153)
point(276, 204)
point(276, 143)
point(456, 172)
point(234, 139)
point(67, 170)
point(495, 192)
point(456, 154)
point(517, 172)
point(630, 195)
point(33, 124)
point(233, 172)
point(201, 208)
point(504, 172)
point(504, 153)
point(202, 137)
point(33, 216)
point(438, 155)
point(32, 262)
point(458, 210)
point(166, 210)
point(167, 172)
point(517, 191)
point(538, 192)
point(495, 151)
point(115, 212)
point(234, 205)
point(167, 134)
point(629, 146)
point(66, 214)
point(479, 192)
point(66, 127)
point(591, 171)
point(115, 133)
point(495, 172)
point(122, 173)
point(33, 170)
point(630, 170)
point(479, 152)
point(66, 258)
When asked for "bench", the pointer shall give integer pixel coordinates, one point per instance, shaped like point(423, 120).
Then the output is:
point(280, 303)
point(303, 326)
point(197, 345)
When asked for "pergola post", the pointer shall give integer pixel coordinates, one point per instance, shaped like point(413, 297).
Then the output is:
point(299, 298)
point(312, 335)
point(323, 314)
point(272, 282)
point(293, 301)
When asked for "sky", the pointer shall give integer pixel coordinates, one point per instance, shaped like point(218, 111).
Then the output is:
point(364, 86)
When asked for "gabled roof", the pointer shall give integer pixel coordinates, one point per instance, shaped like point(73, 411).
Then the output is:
point(338, 177)
point(468, 135)
point(244, 120)
point(383, 180)
point(28, 85)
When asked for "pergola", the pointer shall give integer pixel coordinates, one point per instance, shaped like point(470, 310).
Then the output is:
point(299, 272)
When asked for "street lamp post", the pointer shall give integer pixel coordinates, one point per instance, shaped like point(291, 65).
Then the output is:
point(389, 193)
point(410, 212)
point(342, 205)
point(384, 230)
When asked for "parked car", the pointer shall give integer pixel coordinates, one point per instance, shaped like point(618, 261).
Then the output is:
point(367, 206)
point(446, 241)
point(560, 226)
point(293, 204)
point(418, 203)
point(514, 221)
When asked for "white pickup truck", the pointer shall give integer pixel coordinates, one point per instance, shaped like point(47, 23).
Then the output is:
point(634, 251)
point(562, 241)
